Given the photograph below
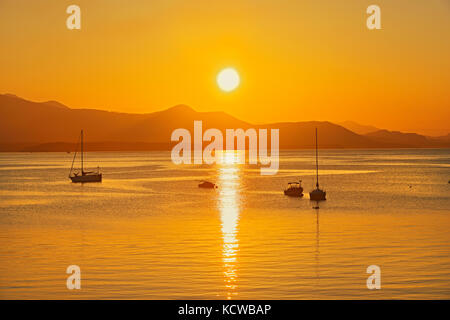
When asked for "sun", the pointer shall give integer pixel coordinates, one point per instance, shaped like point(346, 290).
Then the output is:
point(228, 79)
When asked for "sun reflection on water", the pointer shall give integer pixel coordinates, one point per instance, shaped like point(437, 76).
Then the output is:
point(228, 203)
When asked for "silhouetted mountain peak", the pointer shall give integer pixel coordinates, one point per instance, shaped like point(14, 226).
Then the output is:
point(384, 132)
point(11, 95)
point(181, 108)
point(13, 99)
point(357, 127)
point(400, 138)
point(56, 104)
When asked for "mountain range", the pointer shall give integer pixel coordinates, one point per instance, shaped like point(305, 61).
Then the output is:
point(52, 126)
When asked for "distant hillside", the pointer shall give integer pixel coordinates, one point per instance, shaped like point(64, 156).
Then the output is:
point(441, 138)
point(358, 128)
point(51, 126)
point(400, 139)
point(23, 121)
point(294, 135)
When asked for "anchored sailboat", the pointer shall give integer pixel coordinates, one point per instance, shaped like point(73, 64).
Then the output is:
point(317, 194)
point(83, 176)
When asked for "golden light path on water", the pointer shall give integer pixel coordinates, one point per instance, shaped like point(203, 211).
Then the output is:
point(229, 206)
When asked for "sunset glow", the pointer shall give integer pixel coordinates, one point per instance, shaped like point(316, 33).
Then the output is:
point(317, 57)
point(193, 152)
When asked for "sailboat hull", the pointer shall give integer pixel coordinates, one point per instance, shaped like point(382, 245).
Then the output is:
point(317, 195)
point(87, 178)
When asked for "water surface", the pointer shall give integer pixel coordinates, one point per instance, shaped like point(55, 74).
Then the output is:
point(148, 232)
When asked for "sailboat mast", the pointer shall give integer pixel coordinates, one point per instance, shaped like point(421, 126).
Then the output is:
point(82, 152)
point(317, 165)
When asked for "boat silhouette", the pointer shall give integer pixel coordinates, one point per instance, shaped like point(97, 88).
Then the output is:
point(83, 176)
point(207, 185)
point(317, 194)
point(294, 189)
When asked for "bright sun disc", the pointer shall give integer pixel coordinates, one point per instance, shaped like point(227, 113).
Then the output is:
point(228, 79)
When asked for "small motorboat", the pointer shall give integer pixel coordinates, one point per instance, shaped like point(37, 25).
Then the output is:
point(207, 185)
point(294, 189)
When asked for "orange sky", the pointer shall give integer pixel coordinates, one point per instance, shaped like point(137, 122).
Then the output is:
point(298, 60)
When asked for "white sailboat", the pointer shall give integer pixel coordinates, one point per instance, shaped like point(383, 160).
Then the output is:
point(83, 176)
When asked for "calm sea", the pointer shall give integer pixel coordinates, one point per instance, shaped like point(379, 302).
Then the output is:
point(147, 231)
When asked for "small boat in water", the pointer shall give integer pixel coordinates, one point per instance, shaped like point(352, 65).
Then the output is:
point(294, 189)
point(83, 176)
point(317, 194)
point(207, 185)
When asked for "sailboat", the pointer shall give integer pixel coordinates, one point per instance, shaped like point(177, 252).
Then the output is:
point(83, 176)
point(317, 194)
